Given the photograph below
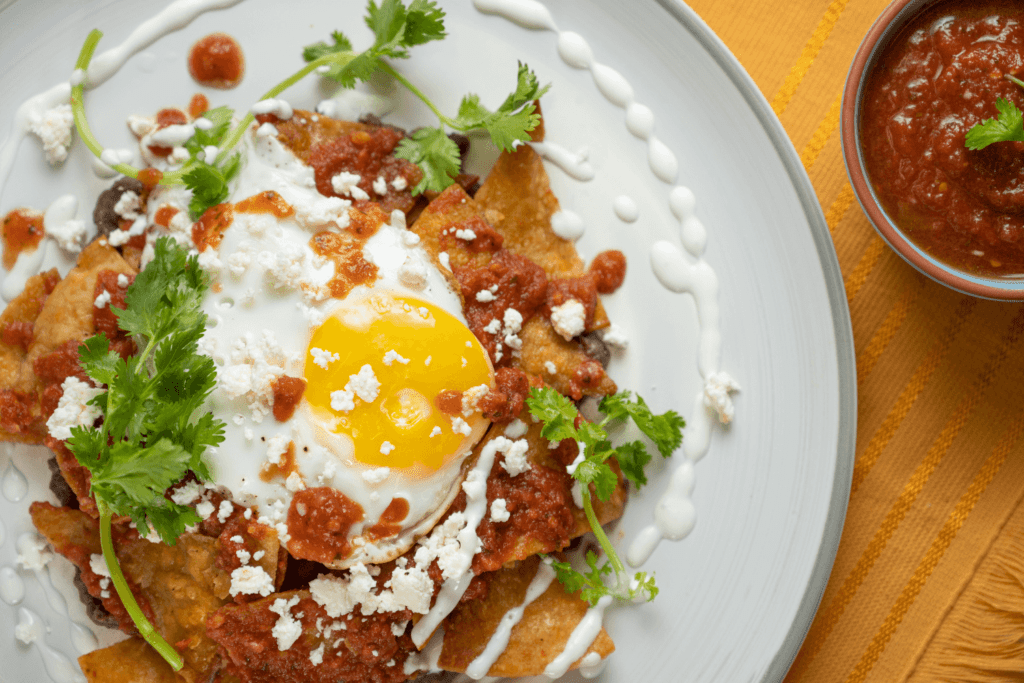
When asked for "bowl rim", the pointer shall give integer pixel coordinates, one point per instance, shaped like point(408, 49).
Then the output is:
point(888, 24)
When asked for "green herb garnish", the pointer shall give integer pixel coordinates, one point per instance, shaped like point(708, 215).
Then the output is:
point(208, 178)
point(396, 28)
point(1007, 127)
point(150, 438)
point(559, 417)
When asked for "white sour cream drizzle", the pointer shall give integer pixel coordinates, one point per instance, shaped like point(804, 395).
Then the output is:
point(479, 667)
point(82, 638)
point(452, 589)
point(626, 209)
point(12, 588)
point(174, 17)
point(676, 270)
point(580, 640)
point(15, 485)
point(31, 629)
point(674, 518)
point(573, 164)
point(27, 265)
point(567, 225)
point(427, 658)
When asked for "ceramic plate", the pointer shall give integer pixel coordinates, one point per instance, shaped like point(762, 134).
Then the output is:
point(738, 593)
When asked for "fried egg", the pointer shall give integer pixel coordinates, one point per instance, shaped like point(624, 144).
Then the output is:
point(374, 362)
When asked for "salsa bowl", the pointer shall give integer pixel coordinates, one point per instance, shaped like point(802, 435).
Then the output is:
point(912, 223)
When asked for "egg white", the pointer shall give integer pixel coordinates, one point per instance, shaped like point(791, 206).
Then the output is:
point(255, 320)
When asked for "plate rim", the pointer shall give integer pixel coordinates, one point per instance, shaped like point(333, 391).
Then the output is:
point(842, 327)
point(690, 21)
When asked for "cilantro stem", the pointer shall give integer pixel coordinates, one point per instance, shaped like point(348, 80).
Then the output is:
point(236, 133)
point(388, 69)
point(598, 530)
point(78, 105)
point(146, 630)
point(1014, 79)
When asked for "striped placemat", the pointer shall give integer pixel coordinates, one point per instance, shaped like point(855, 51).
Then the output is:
point(928, 584)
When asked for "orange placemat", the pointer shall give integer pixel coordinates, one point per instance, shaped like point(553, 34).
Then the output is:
point(928, 583)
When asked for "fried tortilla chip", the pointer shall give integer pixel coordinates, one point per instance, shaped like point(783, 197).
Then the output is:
point(453, 207)
point(516, 199)
point(323, 142)
point(64, 315)
point(542, 515)
point(19, 388)
point(535, 641)
point(67, 313)
point(577, 374)
point(289, 638)
point(130, 661)
point(178, 586)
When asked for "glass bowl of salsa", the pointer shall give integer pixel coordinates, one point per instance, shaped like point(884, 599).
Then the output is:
point(928, 72)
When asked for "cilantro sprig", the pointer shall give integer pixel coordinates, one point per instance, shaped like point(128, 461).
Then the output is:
point(1007, 127)
point(559, 416)
point(150, 438)
point(396, 28)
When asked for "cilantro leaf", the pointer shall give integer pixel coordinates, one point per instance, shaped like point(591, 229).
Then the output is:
point(313, 52)
point(510, 123)
point(664, 430)
point(632, 458)
point(570, 579)
point(97, 360)
point(395, 28)
point(1007, 127)
point(424, 22)
point(435, 153)
point(561, 420)
point(209, 184)
point(150, 438)
point(202, 138)
point(556, 412)
point(592, 583)
point(601, 475)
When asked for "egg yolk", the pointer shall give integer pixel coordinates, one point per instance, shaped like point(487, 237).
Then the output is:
point(415, 350)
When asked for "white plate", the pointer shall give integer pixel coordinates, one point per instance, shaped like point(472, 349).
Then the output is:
point(738, 594)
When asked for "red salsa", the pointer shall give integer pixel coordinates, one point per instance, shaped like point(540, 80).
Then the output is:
point(940, 77)
point(22, 231)
point(217, 61)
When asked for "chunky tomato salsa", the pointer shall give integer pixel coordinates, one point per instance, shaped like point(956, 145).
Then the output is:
point(940, 77)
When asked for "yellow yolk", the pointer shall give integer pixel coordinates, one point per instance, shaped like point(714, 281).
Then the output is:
point(395, 428)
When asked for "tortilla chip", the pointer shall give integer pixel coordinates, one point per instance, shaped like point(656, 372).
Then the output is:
point(522, 536)
point(15, 374)
point(517, 200)
point(542, 345)
point(535, 641)
point(301, 132)
point(17, 380)
point(352, 647)
point(179, 586)
point(450, 207)
point(130, 661)
point(67, 313)
point(306, 130)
